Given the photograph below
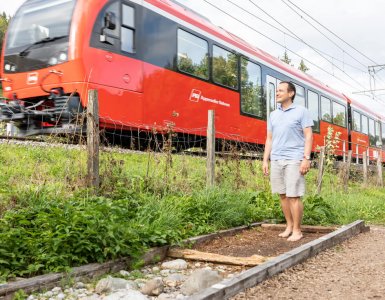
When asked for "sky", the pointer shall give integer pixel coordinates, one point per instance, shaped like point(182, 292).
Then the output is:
point(329, 58)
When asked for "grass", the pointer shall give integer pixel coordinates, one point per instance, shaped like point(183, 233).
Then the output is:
point(49, 220)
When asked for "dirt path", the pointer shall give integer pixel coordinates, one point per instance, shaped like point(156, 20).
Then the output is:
point(353, 270)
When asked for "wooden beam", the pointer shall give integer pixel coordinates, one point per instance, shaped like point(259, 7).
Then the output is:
point(304, 228)
point(253, 260)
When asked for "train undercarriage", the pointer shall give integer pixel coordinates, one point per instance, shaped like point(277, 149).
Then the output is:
point(56, 113)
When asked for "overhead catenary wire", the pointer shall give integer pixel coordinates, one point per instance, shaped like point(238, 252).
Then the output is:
point(312, 18)
point(334, 43)
point(291, 51)
point(333, 33)
point(296, 39)
point(307, 44)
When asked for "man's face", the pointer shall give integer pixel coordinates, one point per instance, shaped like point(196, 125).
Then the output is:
point(283, 94)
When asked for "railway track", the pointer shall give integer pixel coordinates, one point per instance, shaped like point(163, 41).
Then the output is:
point(192, 151)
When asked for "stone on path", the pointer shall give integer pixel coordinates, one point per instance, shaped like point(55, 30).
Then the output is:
point(126, 295)
point(111, 284)
point(153, 287)
point(177, 264)
point(174, 280)
point(199, 280)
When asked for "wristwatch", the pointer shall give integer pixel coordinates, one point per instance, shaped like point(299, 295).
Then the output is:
point(306, 157)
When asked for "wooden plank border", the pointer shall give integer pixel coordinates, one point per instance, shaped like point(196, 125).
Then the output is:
point(207, 237)
point(249, 278)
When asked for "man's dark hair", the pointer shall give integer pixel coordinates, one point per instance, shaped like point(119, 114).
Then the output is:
point(290, 88)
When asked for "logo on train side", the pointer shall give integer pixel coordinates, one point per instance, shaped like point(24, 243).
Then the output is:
point(195, 95)
point(32, 78)
point(361, 141)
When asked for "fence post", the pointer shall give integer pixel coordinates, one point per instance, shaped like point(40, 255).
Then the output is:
point(347, 170)
point(365, 167)
point(210, 172)
point(321, 163)
point(93, 140)
point(380, 181)
point(357, 155)
point(344, 151)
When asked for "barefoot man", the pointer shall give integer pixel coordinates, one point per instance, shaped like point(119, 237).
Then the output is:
point(288, 145)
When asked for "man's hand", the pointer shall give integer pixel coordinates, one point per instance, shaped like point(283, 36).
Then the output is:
point(304, 167)
point(265, 168)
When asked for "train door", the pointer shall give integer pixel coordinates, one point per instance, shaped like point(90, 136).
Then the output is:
point(350, 127)
point(117, 63)
point(271, 88)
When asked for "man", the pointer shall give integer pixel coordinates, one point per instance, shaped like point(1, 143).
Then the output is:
point(288, 145)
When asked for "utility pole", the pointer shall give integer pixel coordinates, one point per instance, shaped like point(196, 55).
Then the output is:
point(372, 72)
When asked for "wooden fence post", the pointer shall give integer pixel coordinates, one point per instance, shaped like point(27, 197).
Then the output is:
point(347, 169)
point(210, 147)
point(380, 181)
point(321, 163)
point(93, 140)
point(365, 167)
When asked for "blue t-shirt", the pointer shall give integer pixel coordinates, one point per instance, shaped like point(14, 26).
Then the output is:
point(287, 128)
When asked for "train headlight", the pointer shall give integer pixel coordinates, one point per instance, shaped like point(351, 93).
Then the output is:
point(53, 61)
point(58, 58)
point(63, 56)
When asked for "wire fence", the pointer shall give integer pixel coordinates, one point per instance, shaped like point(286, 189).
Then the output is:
point(112, 154)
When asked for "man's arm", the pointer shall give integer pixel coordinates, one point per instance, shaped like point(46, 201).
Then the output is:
point(266, 153)
point(305, 165)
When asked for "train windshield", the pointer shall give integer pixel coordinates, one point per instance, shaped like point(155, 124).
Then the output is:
point(38, 35)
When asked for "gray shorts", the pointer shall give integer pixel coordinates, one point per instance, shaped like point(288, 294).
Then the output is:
point(286, 179)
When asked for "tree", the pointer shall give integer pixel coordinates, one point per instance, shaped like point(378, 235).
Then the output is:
point(303, 67)
point(286, 58)
point(4, 20)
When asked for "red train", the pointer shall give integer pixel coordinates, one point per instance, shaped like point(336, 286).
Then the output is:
point(156, 63)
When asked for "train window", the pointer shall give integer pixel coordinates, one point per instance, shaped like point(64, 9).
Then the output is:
point(339, 114)
point(225, 67)
point(128, 29)
point(299, 95)
point(128, 17)
point(193, 54)
point(251, 89)
point(372, 139)
point(110, 35)
point(364, 124)
point(356, 121)
point(378, 134)
point(326, 111)
point(313, 106)
point(271, 96)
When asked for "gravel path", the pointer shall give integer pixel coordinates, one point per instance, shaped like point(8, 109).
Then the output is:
point(353, 270)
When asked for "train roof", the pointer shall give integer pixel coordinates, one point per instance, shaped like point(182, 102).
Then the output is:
point(180, 11)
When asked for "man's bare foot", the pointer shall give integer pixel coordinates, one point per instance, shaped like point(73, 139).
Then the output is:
point(285, 234)
point(296, 236)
